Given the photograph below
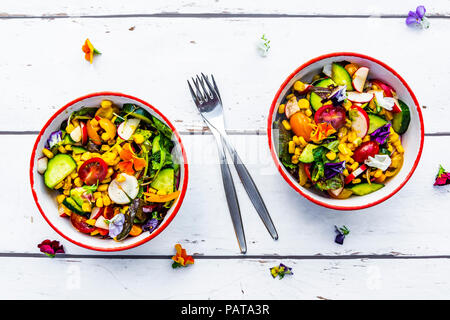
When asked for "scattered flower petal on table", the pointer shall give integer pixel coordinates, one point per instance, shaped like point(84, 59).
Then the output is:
point(263, 45)
point(442, 178)
point(181, 259)
point(50, 248)
point(280, 271)
point(341, 233)
point(417, 18)
point(89, 51)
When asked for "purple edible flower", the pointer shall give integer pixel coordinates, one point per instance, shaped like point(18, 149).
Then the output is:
point(150, 225)
point(442, 178)
point(54, 139)
point(50, 248)
point(331, 169)
point(381, 134)
point(418, 18)
point(280, 271)
point(341, 233)
point(116, 225)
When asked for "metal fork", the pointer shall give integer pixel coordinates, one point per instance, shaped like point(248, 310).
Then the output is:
point(209, 103)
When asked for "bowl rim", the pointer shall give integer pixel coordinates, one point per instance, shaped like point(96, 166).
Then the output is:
point(275, 157)
point(185, 165)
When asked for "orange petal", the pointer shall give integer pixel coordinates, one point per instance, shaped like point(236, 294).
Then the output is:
point(126, 166)
point(126, 154)
point(139, 163)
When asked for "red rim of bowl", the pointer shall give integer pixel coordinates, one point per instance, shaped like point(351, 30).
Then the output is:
point(275, 157)
point(166, 222)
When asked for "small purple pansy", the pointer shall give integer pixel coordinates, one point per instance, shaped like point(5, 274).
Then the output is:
point(417, 18)
point(50, 248)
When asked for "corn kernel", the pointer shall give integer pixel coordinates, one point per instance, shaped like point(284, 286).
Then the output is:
point(308, 113)
point(106, 104)
point(47, 153)
point(378, 173)
point(70, 127)
point(120, 178)
point(102, 187)
point(66, 192)
point(331, 155)
point(60, 198)
point(151, 190)
point(281, 108)
point(289, 96)
point(78, 182)
point(294, 159)
point(74, 174)
point(68, 147)
point(86, 207)
point(354, 166)
point(59, 185)
point(99, 202)
point(291, 146)
point(76, 157)
point(347, 104)
point(106, 200)
point(109, 158)
point(97, 195)
point(299, 86)
point(366, 138)
point(345, 172)
point(62, 149)
point(355, 181)
point(400, 148)
point(286, 125)
point(302, 141)
point(86, 156)
point(104, 147)
point(343, 149)
point(296, 140)
point(297, 151)
point(138, 138)
point(90, 222)
point(349, 160)
point(94, 123)
point(106, 180)
point(303, 103)
point(357, 142)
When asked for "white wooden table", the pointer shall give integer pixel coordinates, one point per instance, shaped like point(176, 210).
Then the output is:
point(398, 249)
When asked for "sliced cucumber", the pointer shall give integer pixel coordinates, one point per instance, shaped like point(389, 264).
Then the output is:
point(375, 122)
point(364, 188)
point(315, 100)
point(401, 120)
point(72, 205)
point(76, 194)
point(341, 76)
point(307, 155)
point(77, 150)
point(164, 181)
point(137, 112)
point(58, 168)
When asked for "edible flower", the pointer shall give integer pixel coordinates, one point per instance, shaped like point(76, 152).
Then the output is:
point(331, 169)
point(263, 45)
point(54, 139)
point(280, 271)
point(380, 161)
point(322, 131)
point(150, 225)
point(130, 160)
point(89, 50)
point(442, 178)
point(181, 259)
point(381, 134)
point(341, 233)
point(417, 18)
point(116, 225)
point(51, 248)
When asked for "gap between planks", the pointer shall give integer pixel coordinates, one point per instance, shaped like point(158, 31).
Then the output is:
point(223, 15)
point(392, 256)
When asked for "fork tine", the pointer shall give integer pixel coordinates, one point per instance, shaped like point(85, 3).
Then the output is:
point(199, 92)
point(206, 93)
point(193, 94)
point(211, 89)
point(215, 87)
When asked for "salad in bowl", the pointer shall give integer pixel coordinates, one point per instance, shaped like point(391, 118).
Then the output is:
point(112, 169)
point(339, 131)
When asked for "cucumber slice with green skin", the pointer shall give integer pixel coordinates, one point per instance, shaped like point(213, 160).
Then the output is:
point(72, 205)
point(375, 122)
point(307, 155)
point(315, 100)
point(364, 188)
point(137, 112)
point(77, 150)
point(401, 120)
point(164, 181)
point(341, 77)
point(58, 168)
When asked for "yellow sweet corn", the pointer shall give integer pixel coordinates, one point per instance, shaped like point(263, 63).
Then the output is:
point(94, 123)
point(349, 159)
point(102, 187)
point(297, 151)
point(296, 140)
point(343, 149)
point(281, 108)
point(68, 147)
point(357, 142)
point(104, 147)
point(289, 96)
point(286, 125)
point(76, 157)
point(86, 156)
point(106, 104)
point(86, 207)
point(308, 113)
point(366, 138)
point(99, 202)
point(106, 200)
point(70, 127)
point(110, 172)
point(74, 174)
point(347, 105)
point(138, 138)
point(299, 86)
point(345, 172)
point(302, 141)
point(66, 192)
point(106, 180)
point(378, 173)
point(303, 104)
point(351, 136)
point(59, 185)
point(47, 153)
point(331, 155)
point(121, 178)
point(97, 195)
point(60, 198)
point(355, 181)
point(291, 146)
point(294, 159)
point(151, 190)
point(78, 182)
point(91, 222)
point(109, 158)
point(354, 166)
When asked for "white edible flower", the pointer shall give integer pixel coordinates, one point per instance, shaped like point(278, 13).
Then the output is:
point(263, 46)
point(380, 161)
point(384, 102)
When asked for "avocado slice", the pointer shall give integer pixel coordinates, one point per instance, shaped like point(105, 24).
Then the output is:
point(364, 188)
point(341, 76)
point(375, 122)
point(307, 155)
point(315, 100)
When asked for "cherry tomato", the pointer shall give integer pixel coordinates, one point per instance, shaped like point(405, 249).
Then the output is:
point(300, 125)
point(369, 148)
point(332, 115)
point(93, 170)
point(108, 213)
point(307, 168)
point(79, 222)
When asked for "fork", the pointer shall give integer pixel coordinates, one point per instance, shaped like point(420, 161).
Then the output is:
point(209, 103)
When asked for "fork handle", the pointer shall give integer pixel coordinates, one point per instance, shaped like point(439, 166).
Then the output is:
point(230, 193)
point(252, 191)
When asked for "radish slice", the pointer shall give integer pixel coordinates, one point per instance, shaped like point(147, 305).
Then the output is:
point(359, 97)
point(76, 134)
point(123, 192)
point(127, 128)
point(360, 121)
point(84, 135)
point(42, 165)
point(96, 212)
point(355, 173)
point(101, 223)
point(359, 78)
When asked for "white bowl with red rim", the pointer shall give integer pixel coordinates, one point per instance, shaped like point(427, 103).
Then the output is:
point(412, 139)
point(45, 198)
